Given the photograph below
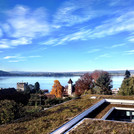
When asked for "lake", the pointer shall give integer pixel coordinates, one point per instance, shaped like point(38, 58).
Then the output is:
point(47, 82)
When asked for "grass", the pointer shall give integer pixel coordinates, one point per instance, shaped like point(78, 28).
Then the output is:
point(103, 127)
point(46, 121)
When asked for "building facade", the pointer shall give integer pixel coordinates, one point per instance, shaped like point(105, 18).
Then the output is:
point(70, 87)
point(22, 86)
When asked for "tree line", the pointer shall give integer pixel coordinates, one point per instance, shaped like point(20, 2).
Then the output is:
point(98, 82)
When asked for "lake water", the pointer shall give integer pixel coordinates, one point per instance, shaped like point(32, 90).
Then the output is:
point(47, 82)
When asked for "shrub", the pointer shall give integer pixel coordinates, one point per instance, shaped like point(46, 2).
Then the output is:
point(9, 110)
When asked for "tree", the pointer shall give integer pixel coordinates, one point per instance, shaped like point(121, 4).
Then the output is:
point(103, 83)
point(57, 89)
point(37, 87)
point(127, 87)
point(83, 84)
point(9, 110)
point(127, 74)
point(36, 99)
point(97, 73)
point(27, 90)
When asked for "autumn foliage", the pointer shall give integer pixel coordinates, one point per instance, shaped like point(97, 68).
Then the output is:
point(57, 89)
point(99, 82)
point(83, 84)
point(97, 73)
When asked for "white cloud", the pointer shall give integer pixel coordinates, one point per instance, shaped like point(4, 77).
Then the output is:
point(131, 38)
point(23, 25)
point(67, 14)
point(118, 45)
point(103, 56)
point(35, 56)
point(80, 35)
point(129, 52)
point(19, 58)
point(13, 61)
point(27, 23)
point(51, 41)
point(56, 26)
point(10, 57)
point(61, 41)
point(21, 41)
point(118, 24)
point(94, 50)
point(9, 43)
point(74, 12)
point(124, 3)
point(3, 46)
point(115, 25)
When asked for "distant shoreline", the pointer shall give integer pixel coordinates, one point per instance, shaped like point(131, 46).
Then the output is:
point(51, 75)
point(58, 74)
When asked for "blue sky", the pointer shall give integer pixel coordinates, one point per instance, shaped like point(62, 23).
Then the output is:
point(66, 35)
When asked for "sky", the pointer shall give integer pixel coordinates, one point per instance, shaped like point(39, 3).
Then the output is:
point(66, 35)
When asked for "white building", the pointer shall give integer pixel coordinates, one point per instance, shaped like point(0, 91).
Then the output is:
point(70, 87)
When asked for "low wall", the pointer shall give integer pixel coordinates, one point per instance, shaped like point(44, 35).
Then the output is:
point(118, 101)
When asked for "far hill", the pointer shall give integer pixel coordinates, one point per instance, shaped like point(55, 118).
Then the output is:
point(58, 74)
point(3, 73)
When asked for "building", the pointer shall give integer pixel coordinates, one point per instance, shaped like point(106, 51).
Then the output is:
point(70, 87)
point(115, 91)
point(68, 90)
point(22, 86)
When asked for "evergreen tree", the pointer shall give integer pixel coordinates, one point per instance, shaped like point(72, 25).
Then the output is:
point(27, 90)
point(127, 74)
point(37, 87)
point(127, 87)
point(103, 83)
point(36, 99)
